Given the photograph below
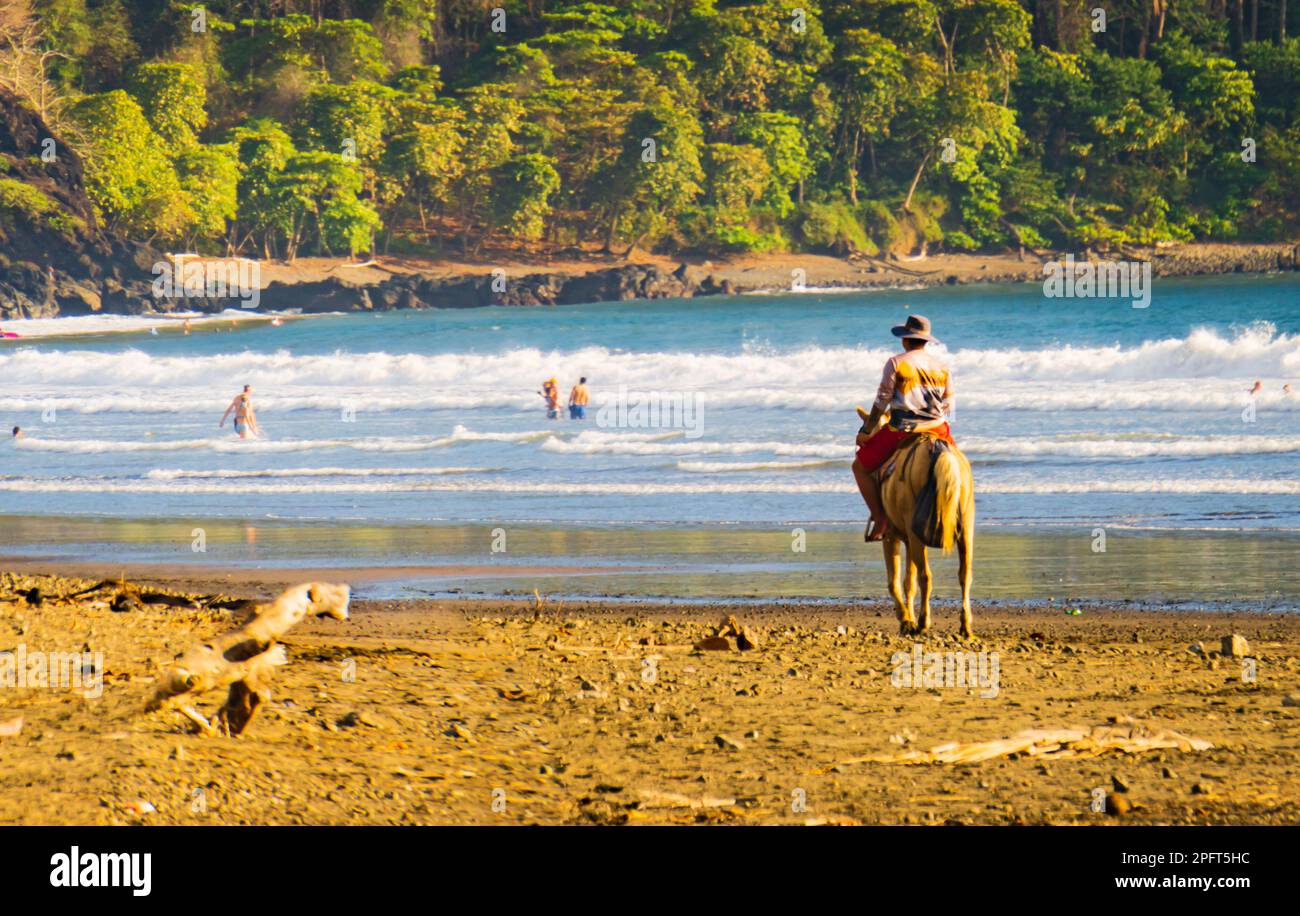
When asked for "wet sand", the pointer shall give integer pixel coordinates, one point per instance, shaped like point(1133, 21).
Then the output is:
point(525, 713)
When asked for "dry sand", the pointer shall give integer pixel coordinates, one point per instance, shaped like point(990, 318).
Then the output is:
point(498, 713)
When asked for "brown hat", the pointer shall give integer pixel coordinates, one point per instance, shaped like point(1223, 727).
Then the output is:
point(916, 327)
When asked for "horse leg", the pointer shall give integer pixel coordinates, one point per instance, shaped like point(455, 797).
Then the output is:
point(922, 567)
point(965, 563)
point(894, 569)
point(908, 627)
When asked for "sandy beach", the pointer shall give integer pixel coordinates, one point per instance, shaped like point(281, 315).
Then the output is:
point(491, 712)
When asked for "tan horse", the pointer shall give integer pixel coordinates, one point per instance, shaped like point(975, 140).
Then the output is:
point(903, 477)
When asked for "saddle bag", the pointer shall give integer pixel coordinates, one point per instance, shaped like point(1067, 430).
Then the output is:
point(925, 518)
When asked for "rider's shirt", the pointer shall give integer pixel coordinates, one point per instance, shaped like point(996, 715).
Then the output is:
point(916, 389)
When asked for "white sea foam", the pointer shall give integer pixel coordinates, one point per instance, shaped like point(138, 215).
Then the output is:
point(233, 474)
point(1181, 486)
point(82, 325)
point(1202, 371)
point(728, 467)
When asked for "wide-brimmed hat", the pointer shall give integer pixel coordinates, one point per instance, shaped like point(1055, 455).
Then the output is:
point(916, 327)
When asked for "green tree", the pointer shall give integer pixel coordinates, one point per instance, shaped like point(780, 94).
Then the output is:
point(129, 178)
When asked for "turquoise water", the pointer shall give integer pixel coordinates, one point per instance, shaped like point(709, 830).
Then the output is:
point(1076, 413)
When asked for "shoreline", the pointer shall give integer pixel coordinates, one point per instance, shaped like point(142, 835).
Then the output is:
point(452, 704)
point(590, 277)
point(316, 285)
point(669, 566)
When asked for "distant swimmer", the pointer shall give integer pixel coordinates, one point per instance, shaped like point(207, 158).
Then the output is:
point(551, 394)
point(1259, 386)
point(18, 432)
point(578, 400)
point(276, 322)
point(1286, 389)
point(186, 326)
point(245, 418)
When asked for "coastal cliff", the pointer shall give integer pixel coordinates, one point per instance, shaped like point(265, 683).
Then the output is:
point(55, 259)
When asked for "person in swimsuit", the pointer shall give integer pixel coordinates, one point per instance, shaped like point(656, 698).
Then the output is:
point(916, 391)
point(551, 394)
point(578, 400)
point(245, 418)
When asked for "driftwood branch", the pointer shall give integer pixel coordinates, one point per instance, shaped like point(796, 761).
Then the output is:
point(1122, 736)
point(244, 659)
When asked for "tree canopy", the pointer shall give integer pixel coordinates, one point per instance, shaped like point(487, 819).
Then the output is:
point(352, 126)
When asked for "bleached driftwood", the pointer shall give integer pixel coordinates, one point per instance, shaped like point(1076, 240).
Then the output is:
point(243, 660)
point(1123, 736)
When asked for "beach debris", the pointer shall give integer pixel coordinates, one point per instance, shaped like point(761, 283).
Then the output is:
point(1118, 784)
point(834, 820)
point(729, 634)
point(1291, 699)
point(243, 659)
point(1235, 646)
point(1196, 649)
point(656, 798)
point(727, 744)
point(1121, 735)
point(1117, 804)
point(11, 727)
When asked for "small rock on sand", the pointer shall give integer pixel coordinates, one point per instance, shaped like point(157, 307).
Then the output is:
point(1235, 645)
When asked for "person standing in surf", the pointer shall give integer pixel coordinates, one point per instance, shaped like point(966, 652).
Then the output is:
point(916, 391)
point(551, 394)
point(245, 418)
point(578, 398)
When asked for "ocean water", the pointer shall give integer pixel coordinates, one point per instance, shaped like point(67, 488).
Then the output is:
point(1077, 414)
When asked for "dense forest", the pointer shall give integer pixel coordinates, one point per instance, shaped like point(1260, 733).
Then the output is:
point(285, 127)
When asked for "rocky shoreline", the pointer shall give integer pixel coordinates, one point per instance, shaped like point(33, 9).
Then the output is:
point(642, 281)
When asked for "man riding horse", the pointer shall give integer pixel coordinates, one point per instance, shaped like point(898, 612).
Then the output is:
point(916, 390)
point(925, 497)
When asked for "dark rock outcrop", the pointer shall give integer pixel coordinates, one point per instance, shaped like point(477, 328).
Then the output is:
point(614, 284)
point(54, 257)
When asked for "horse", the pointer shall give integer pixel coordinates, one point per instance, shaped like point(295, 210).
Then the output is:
point(902, 479)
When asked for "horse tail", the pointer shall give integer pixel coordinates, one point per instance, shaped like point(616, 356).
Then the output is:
point(947, 495)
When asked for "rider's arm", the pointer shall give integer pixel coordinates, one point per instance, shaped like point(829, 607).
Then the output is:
point(883, 396)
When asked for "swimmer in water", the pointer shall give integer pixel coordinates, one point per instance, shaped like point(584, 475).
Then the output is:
point(245, 418)
point(18, 432)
